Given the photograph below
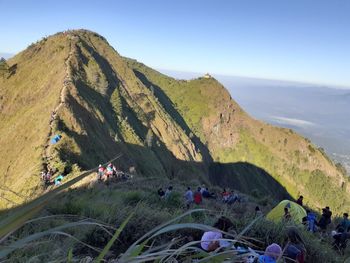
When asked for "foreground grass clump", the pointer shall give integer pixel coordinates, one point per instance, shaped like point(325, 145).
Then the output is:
point(82, 222)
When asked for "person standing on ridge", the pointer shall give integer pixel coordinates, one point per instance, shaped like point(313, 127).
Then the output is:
point(300, 200)
point(100, 172)
point(168, 192)
point(188, 197)
point(198, 196)
point(345, 223)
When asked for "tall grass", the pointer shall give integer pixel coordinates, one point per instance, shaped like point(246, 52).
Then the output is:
point(20, 215)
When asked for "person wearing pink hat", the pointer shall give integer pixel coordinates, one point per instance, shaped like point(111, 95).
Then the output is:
point(272, 253)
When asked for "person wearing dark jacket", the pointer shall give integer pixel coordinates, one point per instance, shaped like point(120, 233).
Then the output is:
point(325, 219)
point(345, 223)
point(300, 200)
point(295, 250)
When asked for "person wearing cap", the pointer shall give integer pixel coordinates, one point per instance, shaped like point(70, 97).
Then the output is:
point(272, 253)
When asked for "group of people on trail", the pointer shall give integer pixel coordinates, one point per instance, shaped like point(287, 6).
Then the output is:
point(341, 234)
point(190, 197)
point(197, 196)
point(230, 197)
point(47, 178)
point(110, 171)
point(202, 192)
point(221, 238)
point(166, 194)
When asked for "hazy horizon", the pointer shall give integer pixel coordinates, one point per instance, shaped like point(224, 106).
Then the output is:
point(319, 113)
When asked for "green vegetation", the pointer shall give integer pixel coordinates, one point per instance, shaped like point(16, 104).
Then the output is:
point(231, 136)
point(167, 131)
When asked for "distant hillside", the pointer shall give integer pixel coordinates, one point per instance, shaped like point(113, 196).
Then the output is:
point(75, 84)
point(232, 136)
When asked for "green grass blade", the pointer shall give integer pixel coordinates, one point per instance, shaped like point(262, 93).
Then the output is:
point(21, 214)
point(113, 239)
point(146, 236)
point(70, 256)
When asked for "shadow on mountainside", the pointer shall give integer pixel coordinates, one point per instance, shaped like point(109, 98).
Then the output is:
point(247, 178)
point(115, 200)
point(168, 105)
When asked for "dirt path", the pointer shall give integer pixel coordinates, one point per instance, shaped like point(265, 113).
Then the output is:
point(66, 83)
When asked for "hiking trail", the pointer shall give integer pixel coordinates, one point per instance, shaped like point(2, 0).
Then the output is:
point(66, 83)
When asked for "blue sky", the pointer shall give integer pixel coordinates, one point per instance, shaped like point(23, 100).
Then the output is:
point(300, 40)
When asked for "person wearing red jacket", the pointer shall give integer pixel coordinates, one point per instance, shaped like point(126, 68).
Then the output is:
point(198, 196)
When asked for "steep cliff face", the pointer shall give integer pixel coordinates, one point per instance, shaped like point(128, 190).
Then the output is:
point(75, 84)
point(234, 137)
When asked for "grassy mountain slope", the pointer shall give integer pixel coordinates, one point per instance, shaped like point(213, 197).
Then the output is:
point(28, 94)
point(232, 136)
point(75, 84)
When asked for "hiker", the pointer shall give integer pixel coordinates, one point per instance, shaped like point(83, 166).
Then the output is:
point(188, 197)
point(161, 193)
point(310, 221)
point(198, 196)
point(344, 224)
point(210, 239)
point(232, 198)
point(115, 171)
point(287, 216)
point(202, 189)
point(225, 195)
point(58, 180)
point(300, 200)
point(272, 253)
point(325, 219)
point(100, 172)
point(258, 212)
point(168, 192)
point(295, 250)
point(340, 239)
point(43, 175)
point(109, 170)
point(207, 194)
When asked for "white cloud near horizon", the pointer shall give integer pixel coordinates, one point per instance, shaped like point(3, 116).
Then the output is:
point(292, 121)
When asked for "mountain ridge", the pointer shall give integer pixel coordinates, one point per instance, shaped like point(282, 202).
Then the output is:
point(103, 103)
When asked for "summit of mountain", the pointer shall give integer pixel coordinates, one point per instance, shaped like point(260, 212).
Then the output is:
point(75, 84)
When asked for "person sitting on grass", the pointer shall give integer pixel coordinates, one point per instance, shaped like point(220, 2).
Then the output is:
point(207, 194)
point(225, 195)
point(272, 253)
point(161, 193)
point(258, 212)
point(341, 238)
point(58, 180)
point(232, 198)
point(210, 240)
point(286, 216)
point(295, 250)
